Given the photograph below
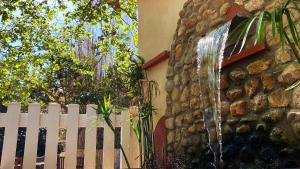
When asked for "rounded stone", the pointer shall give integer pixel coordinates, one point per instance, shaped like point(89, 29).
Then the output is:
point(185, 78)
point(293, 115)
point(198, 114)
point(240, 2)
point(279, 136)
point(194, 75)
point(226, 129)
point(237, 75)
point(170, 137)
point(238, 108)
point(170, 123)
point(175, 94)
point(243, 129)
point(189, 118)
point(195, 89)
point(251, 86)
point(179, 120)
point(200, 127)
point(177, 80)
point(278, 98)
point(232, 120)
point(185, 94)
point(290, 74)
point(268, 81)
point(224, 84)
point(254, 5)
point(249, 118)
point(181, 30)
point(225, 108)
point(192, 129)
point(273, 115)
point(170, 72)
point(176, 108)
point(178, 52)
point(185, 106)
point(234, 93)
point(201, 27)
point(296, 129)
point(259, 66)
point(195, 103)
point(169, 86)
point(259, 103)
point(282, 56)
point(261, 126)
point(224, 8)
point(296, 98)
point(184, 142)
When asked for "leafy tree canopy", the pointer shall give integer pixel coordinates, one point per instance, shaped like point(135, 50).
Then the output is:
point(57, 50)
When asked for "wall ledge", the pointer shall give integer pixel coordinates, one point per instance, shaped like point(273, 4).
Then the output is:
point(236, 10)
point(156, 60)
point(243, 54)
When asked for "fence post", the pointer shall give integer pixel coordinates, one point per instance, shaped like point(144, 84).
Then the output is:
point(10, 136)
point(72, 136)
point(52, 125)
point(109, 145)
point(90, 138)
point(32, 133)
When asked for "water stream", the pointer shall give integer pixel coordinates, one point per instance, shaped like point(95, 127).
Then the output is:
point(210, 52)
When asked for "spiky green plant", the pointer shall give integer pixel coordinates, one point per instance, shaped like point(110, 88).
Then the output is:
point(274, 19)
point(143, 124)
point(104, 110)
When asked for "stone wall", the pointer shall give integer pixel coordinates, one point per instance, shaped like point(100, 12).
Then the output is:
point(253, 90)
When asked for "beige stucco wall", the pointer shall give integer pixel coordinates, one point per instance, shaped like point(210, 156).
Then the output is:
point(157, 25)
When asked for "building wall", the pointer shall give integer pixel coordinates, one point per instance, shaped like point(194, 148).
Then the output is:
point(258, 115)
point(157, 25)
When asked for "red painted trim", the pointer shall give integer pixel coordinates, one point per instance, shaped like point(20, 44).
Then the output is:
point(157, 59)
point(236, 10)
point(243, 54)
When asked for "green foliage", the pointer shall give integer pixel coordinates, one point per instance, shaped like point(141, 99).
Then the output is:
point(43, 53)
point(143, 124)
point(104, 110)
point(288, 35)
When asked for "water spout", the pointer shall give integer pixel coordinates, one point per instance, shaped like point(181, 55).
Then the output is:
point(210, 52)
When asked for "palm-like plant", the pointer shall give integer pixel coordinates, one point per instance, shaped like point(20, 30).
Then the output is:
point(104, 110)
point(275, 19)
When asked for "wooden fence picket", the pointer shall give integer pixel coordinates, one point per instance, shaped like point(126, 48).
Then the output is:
point(109, 145)
point(72, 136)
point(72, 121)
point(10, 136)
point(52, 125)
point(90, 138)
point(32, 134)
point(125, 137)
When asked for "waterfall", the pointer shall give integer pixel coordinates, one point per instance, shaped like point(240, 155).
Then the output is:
point(210, 52)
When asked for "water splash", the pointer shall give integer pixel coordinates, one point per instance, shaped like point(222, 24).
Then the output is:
point(210, 51)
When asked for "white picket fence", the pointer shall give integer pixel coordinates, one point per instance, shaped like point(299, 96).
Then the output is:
point(53, 121)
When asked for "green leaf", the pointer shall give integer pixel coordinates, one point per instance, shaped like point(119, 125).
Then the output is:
point(292, 27)
point(247, 32)
point(260, 32)
point(293, 86)
point(279, 25)
point(273, 23)
point(240, 35)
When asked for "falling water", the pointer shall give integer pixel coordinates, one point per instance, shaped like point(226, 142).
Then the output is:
point(210, 56)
